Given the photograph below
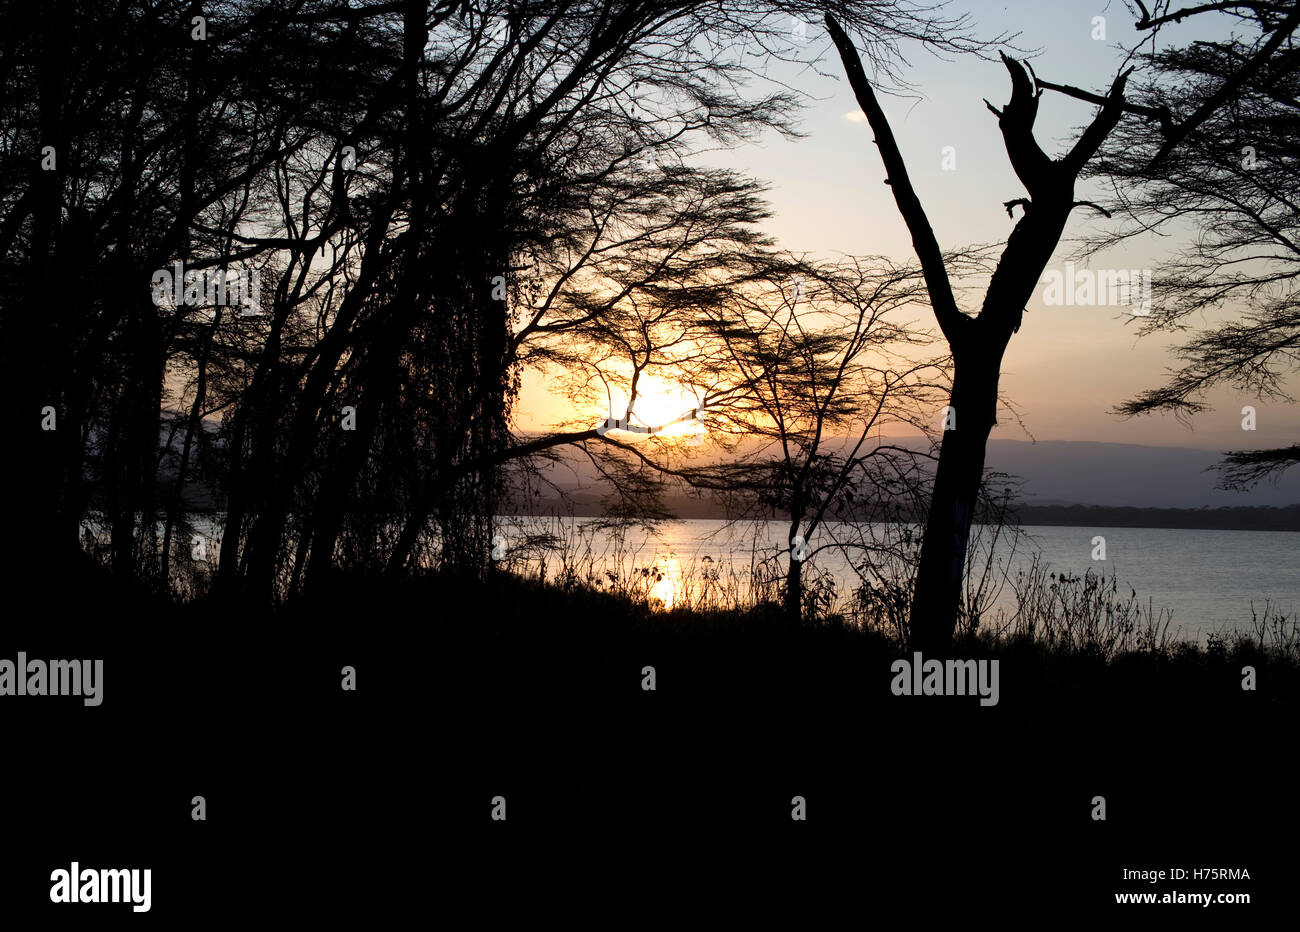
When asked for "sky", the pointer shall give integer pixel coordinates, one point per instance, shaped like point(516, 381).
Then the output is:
point(1068, 366)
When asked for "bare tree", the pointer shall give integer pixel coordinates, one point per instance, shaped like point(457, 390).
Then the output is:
point(978, 342)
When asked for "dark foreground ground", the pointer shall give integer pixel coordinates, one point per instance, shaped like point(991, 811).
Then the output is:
point(373, 808)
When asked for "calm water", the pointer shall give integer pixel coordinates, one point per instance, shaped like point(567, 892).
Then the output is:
point(1207, 579)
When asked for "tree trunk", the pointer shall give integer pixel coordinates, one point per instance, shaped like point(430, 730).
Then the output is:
point(937, 600)
point(794, 591)
point(978, 343)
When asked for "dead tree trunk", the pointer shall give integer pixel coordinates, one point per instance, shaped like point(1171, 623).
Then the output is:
point(978, 342)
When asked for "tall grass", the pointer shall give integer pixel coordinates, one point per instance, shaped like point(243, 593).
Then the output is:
point(600, 555)
point(1088, 614)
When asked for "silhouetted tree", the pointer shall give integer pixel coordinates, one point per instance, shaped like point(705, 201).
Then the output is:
point(386, 167)
point(796, 372)
point(826, 365)
point(978, 342)
point(1234, 176)
point(125, 137)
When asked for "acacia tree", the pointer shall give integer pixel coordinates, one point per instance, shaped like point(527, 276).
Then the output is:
point(820, 364)
point(381, 164)
point(507, 118)
point(613, 307)
point(796, 369)
point(124, 135)
point(1234, 177)
point(978, 342)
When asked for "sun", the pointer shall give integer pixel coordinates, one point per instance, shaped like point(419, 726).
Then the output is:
point(662, 403)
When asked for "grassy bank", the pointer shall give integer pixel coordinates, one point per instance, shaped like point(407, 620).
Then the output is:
point(517, 636)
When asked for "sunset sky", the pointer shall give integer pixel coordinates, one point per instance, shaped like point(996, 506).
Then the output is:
point(1068, 366)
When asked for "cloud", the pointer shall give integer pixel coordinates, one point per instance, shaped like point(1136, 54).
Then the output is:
point(855, 116)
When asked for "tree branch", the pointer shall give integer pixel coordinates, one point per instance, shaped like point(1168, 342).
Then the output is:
point(1097, 207)
point(1107, 119)
point(1146, 22)
point(1032, 165)
point(1160, 114)
point(1230, 87)
point(1022, 202)
point(951, 320)
point(1242, 469)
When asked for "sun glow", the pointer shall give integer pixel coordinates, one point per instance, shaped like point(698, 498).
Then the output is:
point(666, 405)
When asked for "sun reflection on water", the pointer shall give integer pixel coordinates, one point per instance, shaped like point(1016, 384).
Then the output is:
point(668, 590)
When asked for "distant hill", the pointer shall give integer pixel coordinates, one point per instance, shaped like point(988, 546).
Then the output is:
point(1060, 472)
point(1081, 483)
point(1285, 518)
point(1263, 518)
point(1061, 482)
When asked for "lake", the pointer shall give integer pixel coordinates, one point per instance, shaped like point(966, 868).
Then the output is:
point(1206, 578)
